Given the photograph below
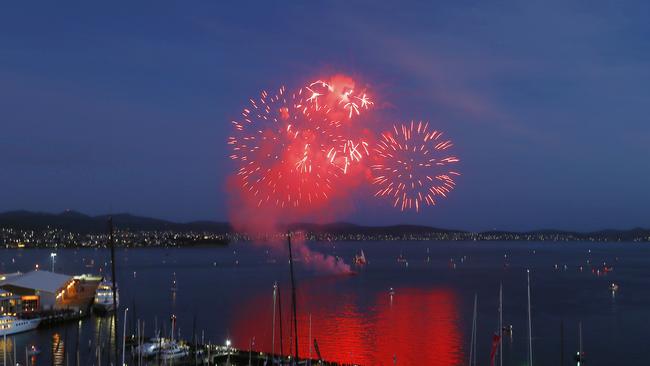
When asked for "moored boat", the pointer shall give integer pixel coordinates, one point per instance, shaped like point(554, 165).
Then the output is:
point(580, 355)
point(103, 302)
point(33, 351)
point(152, 347)
point(11, 325)
point(360, 259)
point(174, 351)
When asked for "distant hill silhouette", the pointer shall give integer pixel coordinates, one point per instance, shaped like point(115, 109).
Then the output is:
point(344, 228)
point(78, 222)
point(81, 223)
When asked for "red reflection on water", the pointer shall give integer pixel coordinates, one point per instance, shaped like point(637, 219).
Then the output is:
point(417, 327)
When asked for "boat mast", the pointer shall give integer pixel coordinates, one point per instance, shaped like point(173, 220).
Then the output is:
point(580, 338)
point(500, 324)
point(275, 293)
point(562, 342)
point(114, 279)
point(472, 346)
point(77, 345)
point(293, 296)
point(475, 326)
point(280, 311)
point(530, 332)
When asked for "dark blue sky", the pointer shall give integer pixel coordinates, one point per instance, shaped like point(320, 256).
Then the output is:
point(126, 107)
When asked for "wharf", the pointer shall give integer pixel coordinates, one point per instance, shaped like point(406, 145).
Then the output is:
point(49, 317)
point(211, 355)
point(83, 293)
point(75, 304)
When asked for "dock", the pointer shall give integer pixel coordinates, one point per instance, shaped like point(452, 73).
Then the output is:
point(214, 355)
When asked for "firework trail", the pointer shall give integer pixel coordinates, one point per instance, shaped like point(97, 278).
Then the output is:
point(280, 148)
point(338, 98)
point(414, 166)
point(347, 152)
point(300, 154)
point(338, 94)
point(283, 151)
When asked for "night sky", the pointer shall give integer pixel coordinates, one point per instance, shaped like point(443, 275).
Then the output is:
point(126, 107)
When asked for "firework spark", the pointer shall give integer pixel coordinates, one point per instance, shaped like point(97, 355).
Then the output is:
point(348, 152)
point(282, 150)
point(414, 166)
point(338, 93)
point(338, 97)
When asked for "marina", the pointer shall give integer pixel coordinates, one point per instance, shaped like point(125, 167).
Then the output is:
point(345, 183)
point(385, 311)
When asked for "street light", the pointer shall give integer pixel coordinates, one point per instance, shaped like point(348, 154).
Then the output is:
point(52, 255)
point(228, 343)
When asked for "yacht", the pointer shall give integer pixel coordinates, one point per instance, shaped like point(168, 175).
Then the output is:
point(175, 351)
point(360, 259)
point(174, 287)
point(12, 325)
point(152, 347)
point(104, 298)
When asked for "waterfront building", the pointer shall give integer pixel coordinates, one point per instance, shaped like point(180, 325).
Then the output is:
point(39, 290)
point(9, 303)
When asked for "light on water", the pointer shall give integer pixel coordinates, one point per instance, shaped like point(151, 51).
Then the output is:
point(387, 312)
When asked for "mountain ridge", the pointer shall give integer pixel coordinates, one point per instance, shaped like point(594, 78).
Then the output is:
point(75, 221)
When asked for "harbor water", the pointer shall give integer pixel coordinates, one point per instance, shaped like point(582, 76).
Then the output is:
point(412, 312)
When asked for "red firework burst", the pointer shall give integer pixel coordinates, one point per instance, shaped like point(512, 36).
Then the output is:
point(415, 166)
point(346, 152)
point(282, 151)
point(338, 94)
point(338, 97)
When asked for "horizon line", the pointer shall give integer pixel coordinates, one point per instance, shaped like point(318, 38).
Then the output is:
point(326, 223)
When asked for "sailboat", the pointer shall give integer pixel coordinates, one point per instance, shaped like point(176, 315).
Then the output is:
point(472, 347)
point(501, 324)
point(497, 338)
point(360, 259)
point(580, 355)
point(530, 331)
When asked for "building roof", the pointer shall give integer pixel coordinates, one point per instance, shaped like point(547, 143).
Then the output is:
point(39, 280)
point(4, 276)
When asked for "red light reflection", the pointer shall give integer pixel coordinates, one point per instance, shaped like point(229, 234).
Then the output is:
point(417, 327)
